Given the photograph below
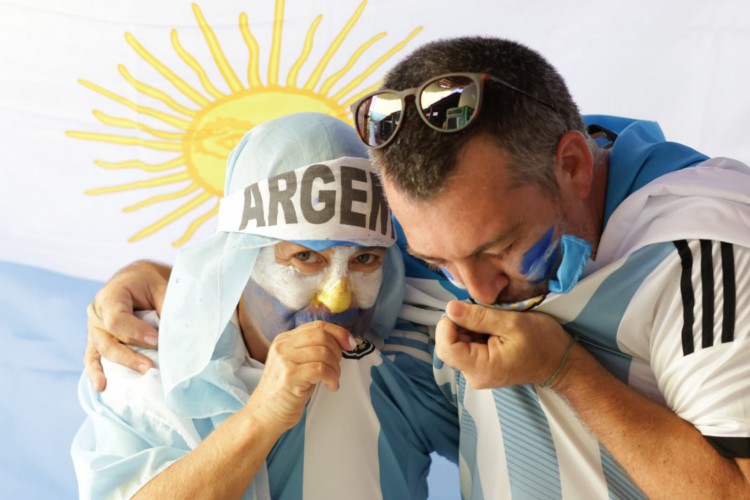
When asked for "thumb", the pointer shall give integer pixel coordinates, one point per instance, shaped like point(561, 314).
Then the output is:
point(473, 317)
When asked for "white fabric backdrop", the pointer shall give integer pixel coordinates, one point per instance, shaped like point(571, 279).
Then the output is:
point(89, 88)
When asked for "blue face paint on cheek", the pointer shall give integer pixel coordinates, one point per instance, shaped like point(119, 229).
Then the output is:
point(538, 260)
point(271, 315)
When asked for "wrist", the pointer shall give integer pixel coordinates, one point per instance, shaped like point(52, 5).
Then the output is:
point(579, 363)
point(273, 415)
point(562, 366)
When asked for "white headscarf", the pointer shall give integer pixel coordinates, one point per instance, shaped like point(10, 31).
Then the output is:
point(196, 335)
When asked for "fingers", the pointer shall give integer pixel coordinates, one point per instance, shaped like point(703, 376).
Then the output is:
point(138, 286)
point(456, 347)
point(112, 311)
point(94, 371)
point(297, 362)
point(311, 373)
point(476, 318)
point(101, 344)
point(339, 334)
point(312, 353)
point(113, 350)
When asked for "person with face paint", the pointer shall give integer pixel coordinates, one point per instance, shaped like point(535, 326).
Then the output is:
point(281, 372)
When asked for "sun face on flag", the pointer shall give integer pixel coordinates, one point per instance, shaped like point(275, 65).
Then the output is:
point(200, 121)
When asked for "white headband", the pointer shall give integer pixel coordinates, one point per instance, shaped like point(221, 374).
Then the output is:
point(342, 197)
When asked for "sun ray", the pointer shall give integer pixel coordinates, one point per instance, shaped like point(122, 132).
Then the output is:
point(218, 54)
point(151, 91)
point(291, 79)
point(132, 124)
point(159, 181)
point(195, 66)
point(335, 45)
point(197, 222)
point(331, 81)
point(162, 197)
point(375, 65)
point(167, 73)
point(274, 57)
point(160, 115)
point(141, 165)
point(126, 141)
point(172, 216)
point(196, 119)
point(253, 68)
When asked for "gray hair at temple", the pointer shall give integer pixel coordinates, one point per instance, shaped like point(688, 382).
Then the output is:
point(420, 160)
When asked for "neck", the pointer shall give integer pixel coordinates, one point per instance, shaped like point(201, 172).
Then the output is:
point(598, 196)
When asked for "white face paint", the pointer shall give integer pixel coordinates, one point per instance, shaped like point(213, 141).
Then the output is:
point(291, 285)
point(297, 289)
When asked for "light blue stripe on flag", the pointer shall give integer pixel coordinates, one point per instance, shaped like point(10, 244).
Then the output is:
point(42, 340)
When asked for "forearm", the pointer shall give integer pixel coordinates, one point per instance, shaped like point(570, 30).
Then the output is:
point(666, 456)
point(222, 466)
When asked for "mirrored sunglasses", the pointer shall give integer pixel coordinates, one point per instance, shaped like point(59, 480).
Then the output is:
point(447, 103)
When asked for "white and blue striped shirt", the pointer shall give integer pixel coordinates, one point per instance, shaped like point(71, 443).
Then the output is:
point(665, 307)
point(371, 439)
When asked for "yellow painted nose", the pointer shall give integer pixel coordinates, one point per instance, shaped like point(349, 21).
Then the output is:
point(337, 299)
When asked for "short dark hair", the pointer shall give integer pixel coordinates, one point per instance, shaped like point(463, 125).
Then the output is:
point(420, 160)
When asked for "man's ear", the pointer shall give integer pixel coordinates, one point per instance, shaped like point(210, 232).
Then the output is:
point(575, 164)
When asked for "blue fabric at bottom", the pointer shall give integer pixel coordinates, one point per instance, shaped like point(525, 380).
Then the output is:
point(42, 340)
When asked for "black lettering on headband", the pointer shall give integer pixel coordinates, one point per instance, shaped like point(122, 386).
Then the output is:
point(282, 198)
point(379, 205)
point(253, 207)
point(325, 196)
point(349, 195)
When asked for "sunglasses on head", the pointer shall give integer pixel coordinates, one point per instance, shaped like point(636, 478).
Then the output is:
point(447, 103)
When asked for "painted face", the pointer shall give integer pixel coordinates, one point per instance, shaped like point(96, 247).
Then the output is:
point(291, 285)
point(498, 240)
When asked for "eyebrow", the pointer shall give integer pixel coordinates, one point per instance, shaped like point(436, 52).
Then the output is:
point(370, 249)
point(505, 235)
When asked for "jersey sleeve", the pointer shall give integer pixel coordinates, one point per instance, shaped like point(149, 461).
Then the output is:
point(700, 341)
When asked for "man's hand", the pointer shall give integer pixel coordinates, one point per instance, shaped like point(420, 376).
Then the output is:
point(297, 361)
point(519, 348)
point(112, 323)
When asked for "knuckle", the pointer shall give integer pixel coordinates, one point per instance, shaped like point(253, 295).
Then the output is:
point(109, 350)
point(476, 381)
point(319, 368)
point(114, 323)
point(321, 352)
point(480, 313)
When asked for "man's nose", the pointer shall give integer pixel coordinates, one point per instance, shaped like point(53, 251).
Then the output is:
point(483, 280)
point(337, 296)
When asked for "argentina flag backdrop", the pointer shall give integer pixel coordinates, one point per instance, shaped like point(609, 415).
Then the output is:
point(116, 119)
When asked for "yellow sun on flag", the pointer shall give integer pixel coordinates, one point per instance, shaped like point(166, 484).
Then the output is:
point(198, 138)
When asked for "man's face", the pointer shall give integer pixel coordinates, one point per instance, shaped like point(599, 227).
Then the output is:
point(291, 285)
point(496, 240)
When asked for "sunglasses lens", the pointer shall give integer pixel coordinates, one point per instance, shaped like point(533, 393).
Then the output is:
point(377, 118)
point(449, 103)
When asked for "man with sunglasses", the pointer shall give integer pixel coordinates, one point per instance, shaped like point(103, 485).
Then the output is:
point(637, 249)
point(633, 246)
